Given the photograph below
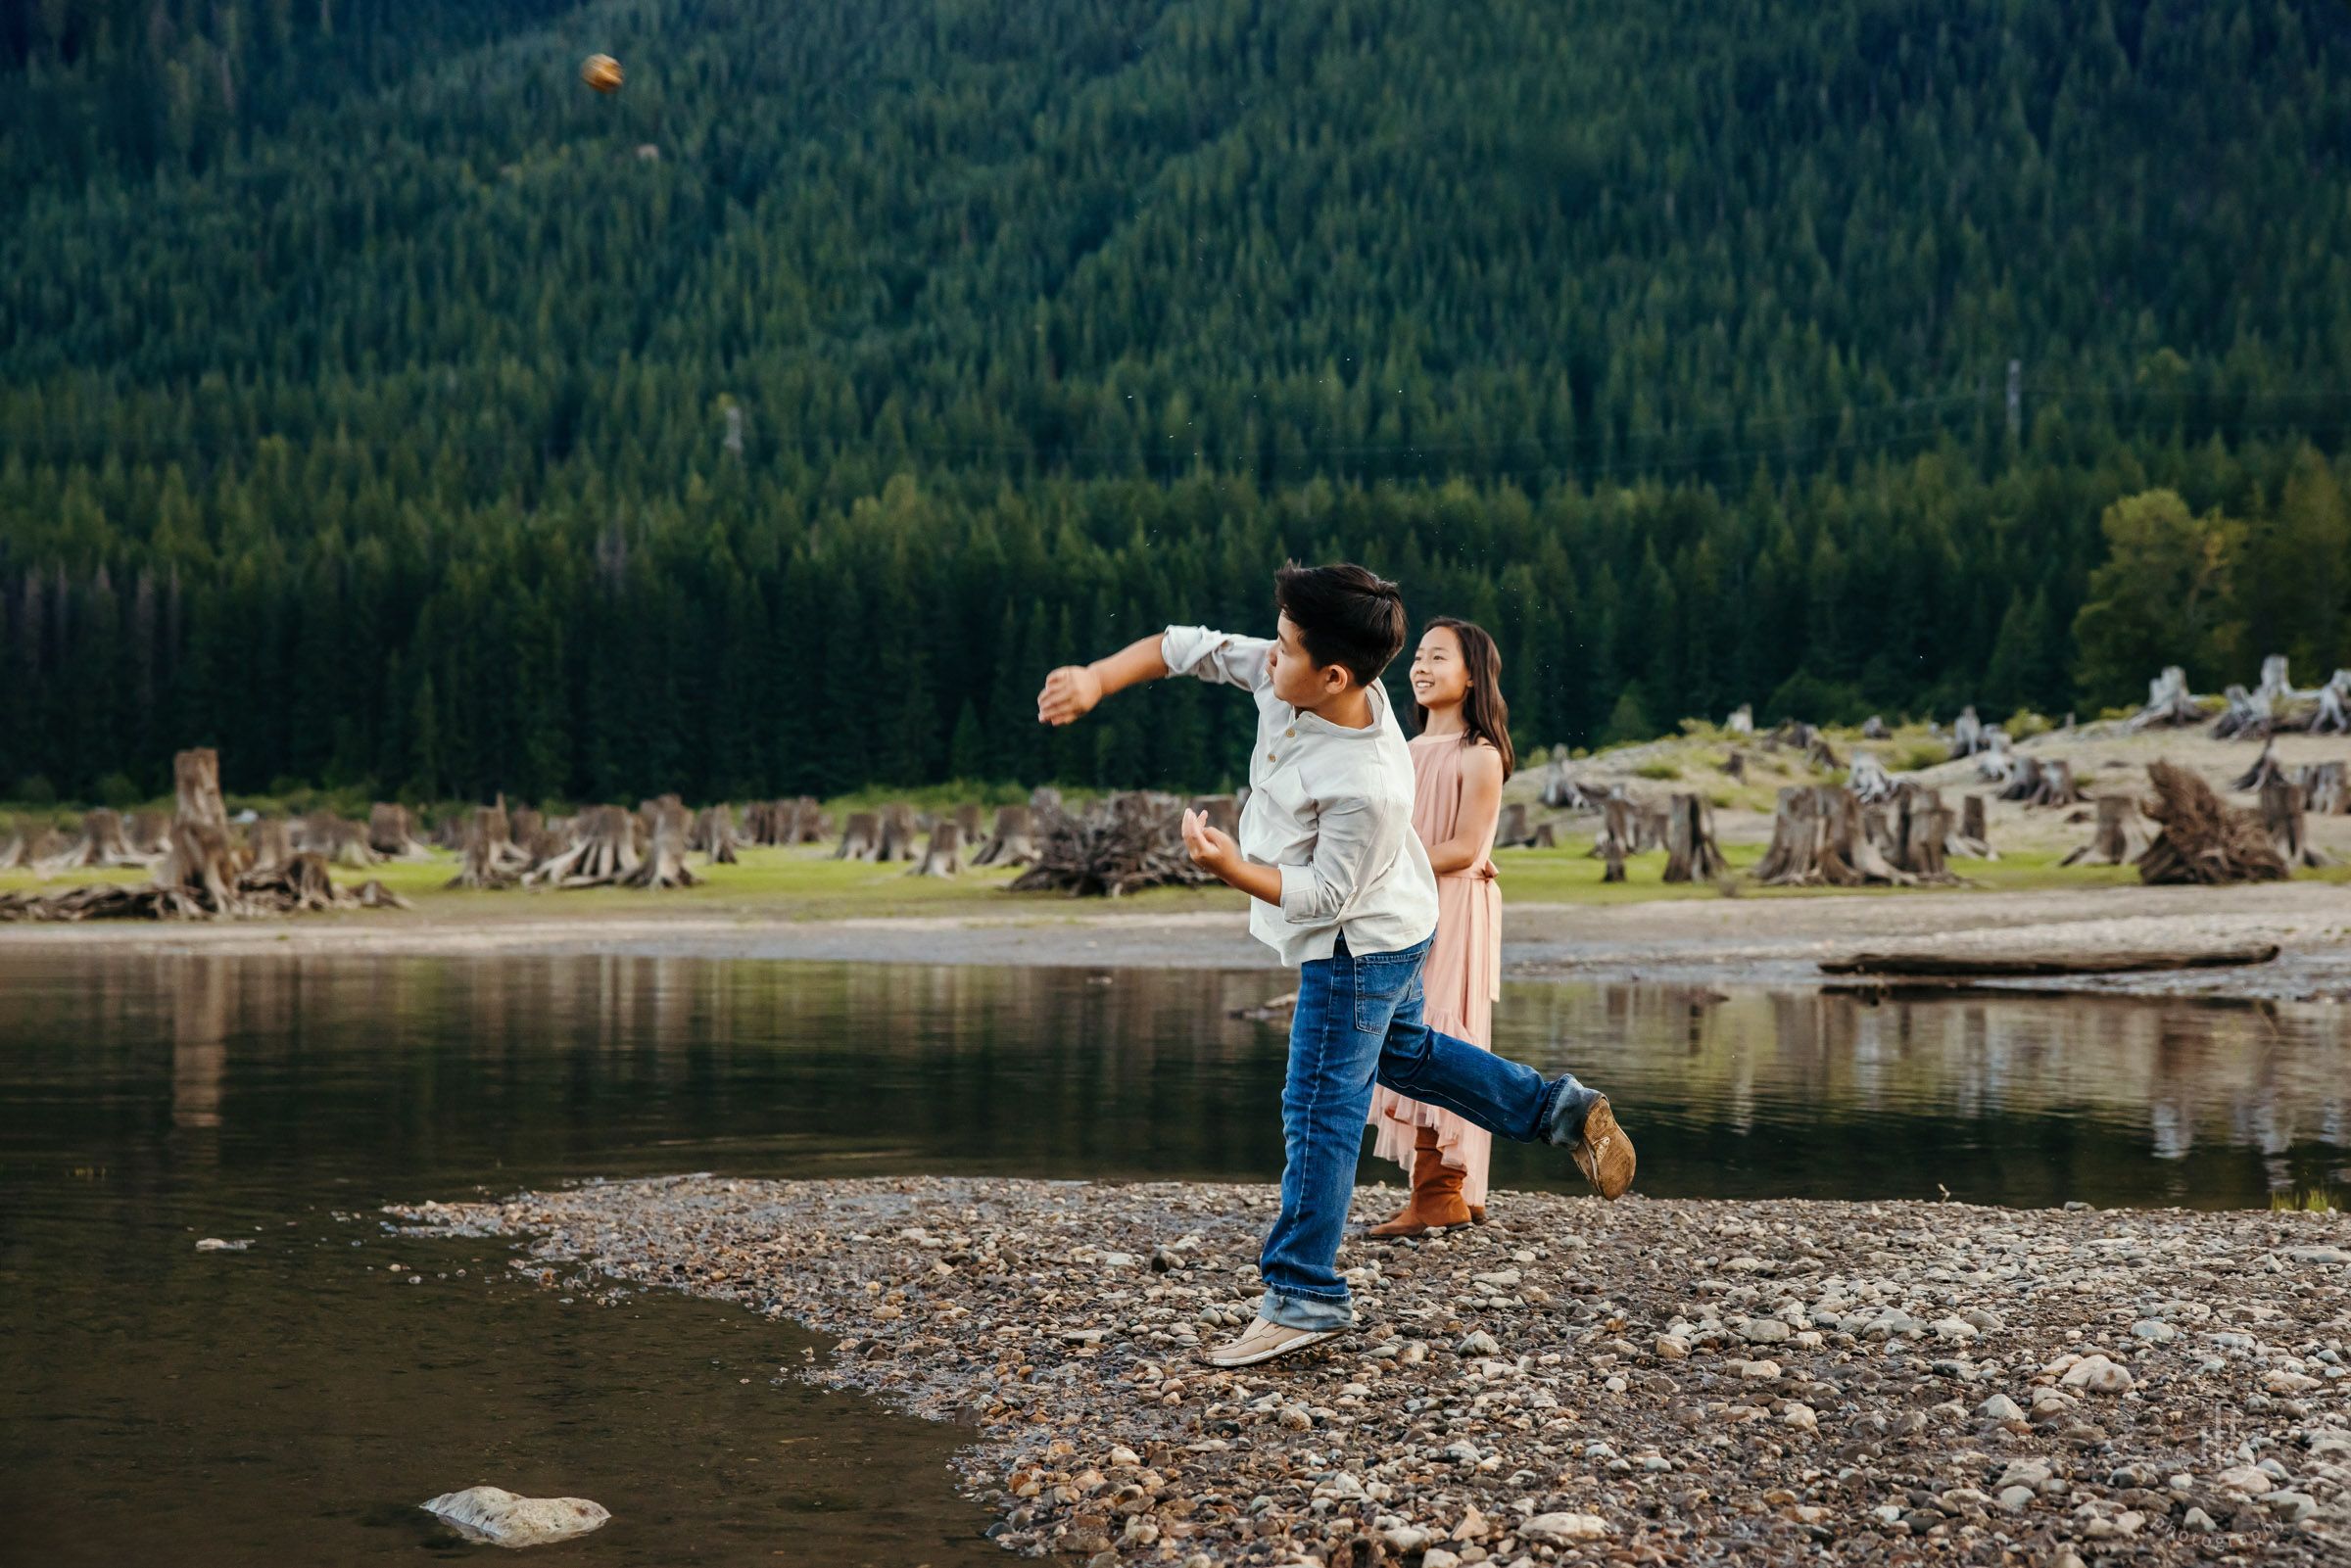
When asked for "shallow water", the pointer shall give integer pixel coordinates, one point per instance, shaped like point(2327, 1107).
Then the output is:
point(293, 1402)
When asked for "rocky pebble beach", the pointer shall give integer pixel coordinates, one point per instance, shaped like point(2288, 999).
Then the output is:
point(1643, 1382)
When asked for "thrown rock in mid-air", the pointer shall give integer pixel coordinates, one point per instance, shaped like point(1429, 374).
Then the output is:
point(498, 1516)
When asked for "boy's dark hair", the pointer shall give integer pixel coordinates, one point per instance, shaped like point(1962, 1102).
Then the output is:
point(1345, 615)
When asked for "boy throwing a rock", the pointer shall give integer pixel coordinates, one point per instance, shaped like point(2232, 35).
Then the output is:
point(1340, 886)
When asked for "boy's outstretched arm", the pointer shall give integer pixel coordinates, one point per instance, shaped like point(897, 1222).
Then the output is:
point(1071, 690)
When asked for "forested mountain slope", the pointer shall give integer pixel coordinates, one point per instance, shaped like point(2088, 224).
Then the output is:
point(376, 401)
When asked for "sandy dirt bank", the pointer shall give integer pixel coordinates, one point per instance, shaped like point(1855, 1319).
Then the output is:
point(1698, 941)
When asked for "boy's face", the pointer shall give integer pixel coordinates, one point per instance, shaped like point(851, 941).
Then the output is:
point(1296, 680)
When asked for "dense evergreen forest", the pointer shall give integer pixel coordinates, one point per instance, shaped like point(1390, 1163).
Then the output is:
point(380, 405)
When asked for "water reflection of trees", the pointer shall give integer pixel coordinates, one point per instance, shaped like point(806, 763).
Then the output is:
point(2173, 1074)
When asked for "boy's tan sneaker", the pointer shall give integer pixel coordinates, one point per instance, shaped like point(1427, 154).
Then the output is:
point(1267, 1340)
point(1604, 1154)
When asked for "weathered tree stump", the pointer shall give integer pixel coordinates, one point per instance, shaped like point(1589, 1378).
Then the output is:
point(713, 835)
point(1742, 720)
point(490, 857)
point(1619, 831)
point(1921, 832)
point(1967, 735)
point(2168, 703)
point(99, 843)
point(2203, 840)
point(199, 870)
point(860, 836)
point(1972, 840)
point(967, 823)
point(944, 856)
point(1868, 780)
point(341, 841)
point(2056, 787)
point(1820, 754)
point(1874, 728)
point(1512, 831)
point(1818, 840)
point(2324, 789)
point(2112, 844)
point(147, 831)
point(2245, 716)
point(900, 833)
point(1562, 792)
point(664, 862)
point(2333, 716)
point(1120, 844)
point(269, 844)
point(392, 833)
point(2264, 771)
point(1012, 843)
point(1691, 853)
point(1735, 765)
point(602, 850)
point(2281, 814)
point(12, 842)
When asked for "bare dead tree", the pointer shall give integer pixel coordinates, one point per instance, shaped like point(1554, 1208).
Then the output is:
point(860, 836)
point(1012, 843)
point(664, 862)
point(2202, 840)
point(1691, 853)
point(945, 856)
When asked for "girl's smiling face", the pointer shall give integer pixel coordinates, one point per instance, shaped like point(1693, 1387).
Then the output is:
point(1440, 676)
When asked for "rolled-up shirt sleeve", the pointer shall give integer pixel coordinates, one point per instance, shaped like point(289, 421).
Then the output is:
point(1217, 657)
point(1353, 844)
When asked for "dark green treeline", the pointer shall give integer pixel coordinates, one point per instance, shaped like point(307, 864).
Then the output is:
point(377, 404)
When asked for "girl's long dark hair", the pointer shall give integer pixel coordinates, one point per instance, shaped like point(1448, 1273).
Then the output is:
point(1485, 715)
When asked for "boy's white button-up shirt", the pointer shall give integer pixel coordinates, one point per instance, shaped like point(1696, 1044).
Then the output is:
point(1330, 808)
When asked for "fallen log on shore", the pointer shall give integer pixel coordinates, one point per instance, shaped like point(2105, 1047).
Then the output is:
point(2028, 966)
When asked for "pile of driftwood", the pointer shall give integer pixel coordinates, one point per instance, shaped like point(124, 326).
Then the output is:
point(1120, 844)
point(201, 870)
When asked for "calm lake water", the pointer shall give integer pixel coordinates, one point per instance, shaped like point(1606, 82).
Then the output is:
point(293, 1402)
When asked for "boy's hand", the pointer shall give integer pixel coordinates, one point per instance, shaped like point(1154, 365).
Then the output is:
point(1211, 847)
point(1070, 694)
point(1214, 849)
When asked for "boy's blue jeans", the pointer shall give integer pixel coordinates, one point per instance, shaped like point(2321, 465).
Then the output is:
point(1359, 1019)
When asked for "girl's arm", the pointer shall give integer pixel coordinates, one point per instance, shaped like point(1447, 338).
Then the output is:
point(1071, 690)
point(1481, 809)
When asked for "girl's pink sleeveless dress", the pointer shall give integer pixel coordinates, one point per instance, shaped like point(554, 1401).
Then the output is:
point(1462, 977)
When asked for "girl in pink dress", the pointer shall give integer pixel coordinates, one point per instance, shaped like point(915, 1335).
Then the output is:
point(1459, 759)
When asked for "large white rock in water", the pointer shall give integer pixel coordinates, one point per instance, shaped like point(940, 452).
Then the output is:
point(498, 1516)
